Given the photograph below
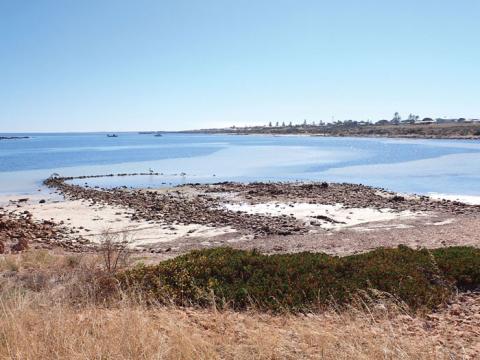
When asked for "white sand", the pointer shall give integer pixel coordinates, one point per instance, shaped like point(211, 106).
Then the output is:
point(346, 217)
point(467, 199)
point(92, 221)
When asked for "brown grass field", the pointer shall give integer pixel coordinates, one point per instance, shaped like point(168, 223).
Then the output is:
point(50, 309)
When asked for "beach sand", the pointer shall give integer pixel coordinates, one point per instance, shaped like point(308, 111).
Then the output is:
point(326, 217)
point(92, 221)
point(332, 227)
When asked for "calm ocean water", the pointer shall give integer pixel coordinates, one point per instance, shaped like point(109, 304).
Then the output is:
point(412, 166)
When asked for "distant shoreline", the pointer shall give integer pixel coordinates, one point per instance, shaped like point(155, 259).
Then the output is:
point(346, 136)
point(457, 131)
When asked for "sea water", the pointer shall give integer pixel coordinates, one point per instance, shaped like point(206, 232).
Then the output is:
point(447, 167)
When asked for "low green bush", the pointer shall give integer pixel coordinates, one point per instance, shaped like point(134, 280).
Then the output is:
point(460, 264)
point(305, 281)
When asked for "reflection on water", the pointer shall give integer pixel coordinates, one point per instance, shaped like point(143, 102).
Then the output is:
point(421, 166)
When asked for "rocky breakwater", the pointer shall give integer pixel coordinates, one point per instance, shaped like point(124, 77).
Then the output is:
point(14, 137)
point(350, 195)
point(176, 207)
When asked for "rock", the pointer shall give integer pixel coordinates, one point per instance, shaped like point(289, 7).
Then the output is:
point(328, 219)
point(21, 245)
point(42, 201)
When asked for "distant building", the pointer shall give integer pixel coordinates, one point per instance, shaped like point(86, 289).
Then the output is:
point(382, 122)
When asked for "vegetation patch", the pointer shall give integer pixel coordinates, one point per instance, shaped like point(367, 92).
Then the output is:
point(305, 281)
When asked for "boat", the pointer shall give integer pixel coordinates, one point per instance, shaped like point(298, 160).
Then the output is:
point(158, 135)
point(112, 135)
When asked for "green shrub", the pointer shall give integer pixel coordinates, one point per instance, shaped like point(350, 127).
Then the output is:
point(305, 281)
point(460, 264)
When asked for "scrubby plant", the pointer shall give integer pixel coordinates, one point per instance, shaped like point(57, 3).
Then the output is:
point(460, 264)
point(114, 250)
point(304, 281)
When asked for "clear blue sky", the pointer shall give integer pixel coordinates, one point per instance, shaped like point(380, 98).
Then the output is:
point(89, 65)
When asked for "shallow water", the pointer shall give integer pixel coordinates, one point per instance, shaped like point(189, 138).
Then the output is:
point(412, 166)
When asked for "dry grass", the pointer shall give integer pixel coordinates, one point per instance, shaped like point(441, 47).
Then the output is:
point(59, 317)
point(33, 332)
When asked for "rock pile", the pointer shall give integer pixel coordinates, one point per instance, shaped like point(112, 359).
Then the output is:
point(19, 232)
point(178, 208)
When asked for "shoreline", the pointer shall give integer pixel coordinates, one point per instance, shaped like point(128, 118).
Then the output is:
point(39, 190)
point(448, 131)
point(366, 136)
point(468, 199)
point(338, 219)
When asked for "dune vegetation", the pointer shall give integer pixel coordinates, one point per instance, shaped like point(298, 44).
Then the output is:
point(306, 281)
point(108, 305)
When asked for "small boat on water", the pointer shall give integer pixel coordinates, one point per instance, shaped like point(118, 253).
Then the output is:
point(158, 135)
point(112, 135)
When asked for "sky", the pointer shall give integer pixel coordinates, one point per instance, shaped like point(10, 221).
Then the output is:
point(103, 65)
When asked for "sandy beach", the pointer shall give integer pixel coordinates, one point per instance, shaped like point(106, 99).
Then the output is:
point(337, 219)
